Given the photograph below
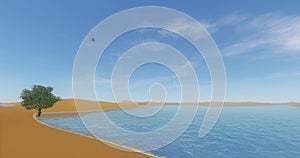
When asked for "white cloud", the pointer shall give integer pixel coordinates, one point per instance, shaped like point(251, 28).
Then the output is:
point(165, 33)
point(186, 70)
point(186, 27)
point(136, 42)
point(274, 32)
point(242, 46)
point(102, 81)
point(229, 20)
point(284, 75)
point(277, 75)
point(192, 30)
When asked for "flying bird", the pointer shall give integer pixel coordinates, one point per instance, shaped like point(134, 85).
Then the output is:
point(93, 39)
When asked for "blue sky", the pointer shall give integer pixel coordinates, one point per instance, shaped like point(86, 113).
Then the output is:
point(259, 42)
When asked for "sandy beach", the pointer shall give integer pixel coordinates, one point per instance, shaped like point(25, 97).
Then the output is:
point(22, 136)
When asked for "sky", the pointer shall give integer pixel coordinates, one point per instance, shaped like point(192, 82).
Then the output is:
point(258, 40)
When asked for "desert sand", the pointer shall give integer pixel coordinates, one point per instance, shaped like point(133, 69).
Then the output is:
point(22, 136)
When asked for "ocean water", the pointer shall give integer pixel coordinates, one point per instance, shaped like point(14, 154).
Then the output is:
point(241, 131)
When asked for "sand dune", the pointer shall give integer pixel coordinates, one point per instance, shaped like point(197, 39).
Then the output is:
point(22, 136)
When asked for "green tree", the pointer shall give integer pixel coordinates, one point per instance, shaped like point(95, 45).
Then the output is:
point(38, 98)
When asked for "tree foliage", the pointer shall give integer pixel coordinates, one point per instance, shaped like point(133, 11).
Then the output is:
point(38, 98)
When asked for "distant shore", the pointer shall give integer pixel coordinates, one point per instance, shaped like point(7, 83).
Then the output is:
point(69, 108)
point(69, 104)
point(8, 104)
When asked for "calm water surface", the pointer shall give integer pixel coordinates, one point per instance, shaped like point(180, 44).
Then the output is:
point(241, 131)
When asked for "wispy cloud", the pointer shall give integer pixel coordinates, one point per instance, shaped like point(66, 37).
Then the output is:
point(139, 41)
point(277, 75)
point(192, 30)
point(284, 75)
point(229, 20)
point(186, 27)
point(274, 32)
point(102, 81)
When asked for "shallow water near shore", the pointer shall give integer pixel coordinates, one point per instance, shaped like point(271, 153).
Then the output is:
point(241, 131)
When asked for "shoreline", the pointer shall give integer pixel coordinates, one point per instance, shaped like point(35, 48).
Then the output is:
point(111, 144)
point(20, 130)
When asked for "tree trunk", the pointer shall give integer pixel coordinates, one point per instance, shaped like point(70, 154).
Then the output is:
point(39, 112)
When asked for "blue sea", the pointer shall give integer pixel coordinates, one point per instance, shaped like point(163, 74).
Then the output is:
point(241, 131)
